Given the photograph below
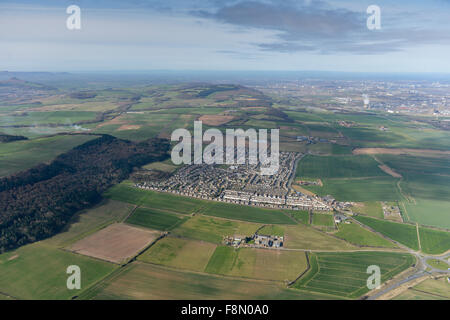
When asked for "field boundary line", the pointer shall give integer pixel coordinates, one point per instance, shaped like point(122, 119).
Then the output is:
point(318, 271)
point(357, 249)
point(142, 206)
point(236, 220)
point(405, 211)
point(327, 291)
point(136, 206)
point(383, 219)
point(332, 282)
point(308, 267)
point(86, 234)
point(90, 257)
point(400, 245)
point(9, 296)
point(418, 237)
point(429, 293)
point(101, 282)
point(290, 217)
point(362, 245)
point(161, 236)
point(216, 275)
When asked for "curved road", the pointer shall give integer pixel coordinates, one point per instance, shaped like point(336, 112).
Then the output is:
point(422, 267)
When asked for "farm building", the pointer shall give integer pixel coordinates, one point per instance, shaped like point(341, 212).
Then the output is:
point(269, 241)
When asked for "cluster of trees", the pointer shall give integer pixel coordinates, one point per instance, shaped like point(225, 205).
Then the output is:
point(8, 138)
point(273, 112)
point(38, 203)
point(83, 95)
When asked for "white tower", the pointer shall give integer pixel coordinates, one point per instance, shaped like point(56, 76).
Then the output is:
point(366, 101)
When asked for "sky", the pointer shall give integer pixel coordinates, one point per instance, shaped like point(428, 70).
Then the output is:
point(137, 35)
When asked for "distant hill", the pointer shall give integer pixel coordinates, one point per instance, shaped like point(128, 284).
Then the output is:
point(30, 76)
point(22, 84)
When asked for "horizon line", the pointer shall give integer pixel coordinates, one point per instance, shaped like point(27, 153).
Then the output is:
point(220, 71)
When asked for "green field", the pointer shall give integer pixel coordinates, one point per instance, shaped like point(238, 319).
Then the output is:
point(422, 165)
point(400, 135)
point(144, 281)
point(372, 209)
point(257, 263)
point(300, 215)
point(223, 260)
point(359, 236)
point(311, 272)
point(438, 264)
point(245, 213)
point(406, 234)
point(345, 274)
point(322, 131)
point(272, 230)
point(146, 125)
point(179, 204)
point(305, 237)
point(429, 212)
point(214, 229)
point(322, 219)
point(430, 289)
point(180, 253)
point(155, 219)
point(44, 117)
point(38, 271)
point(359, 189)
point(431, 187)
point(426, 184)
point(41, 131)
point(434, 241)
point(435, 286)
point(338, 167)
point(21, 155)
point(165, 166)
point(125, 192)
point(163, 201)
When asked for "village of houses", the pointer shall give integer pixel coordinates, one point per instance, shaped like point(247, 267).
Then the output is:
point(244, 185)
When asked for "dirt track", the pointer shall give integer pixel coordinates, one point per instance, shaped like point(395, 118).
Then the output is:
point(390, 171)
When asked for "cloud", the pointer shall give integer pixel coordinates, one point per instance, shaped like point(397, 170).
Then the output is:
point(316, 26)
point(295, 23)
